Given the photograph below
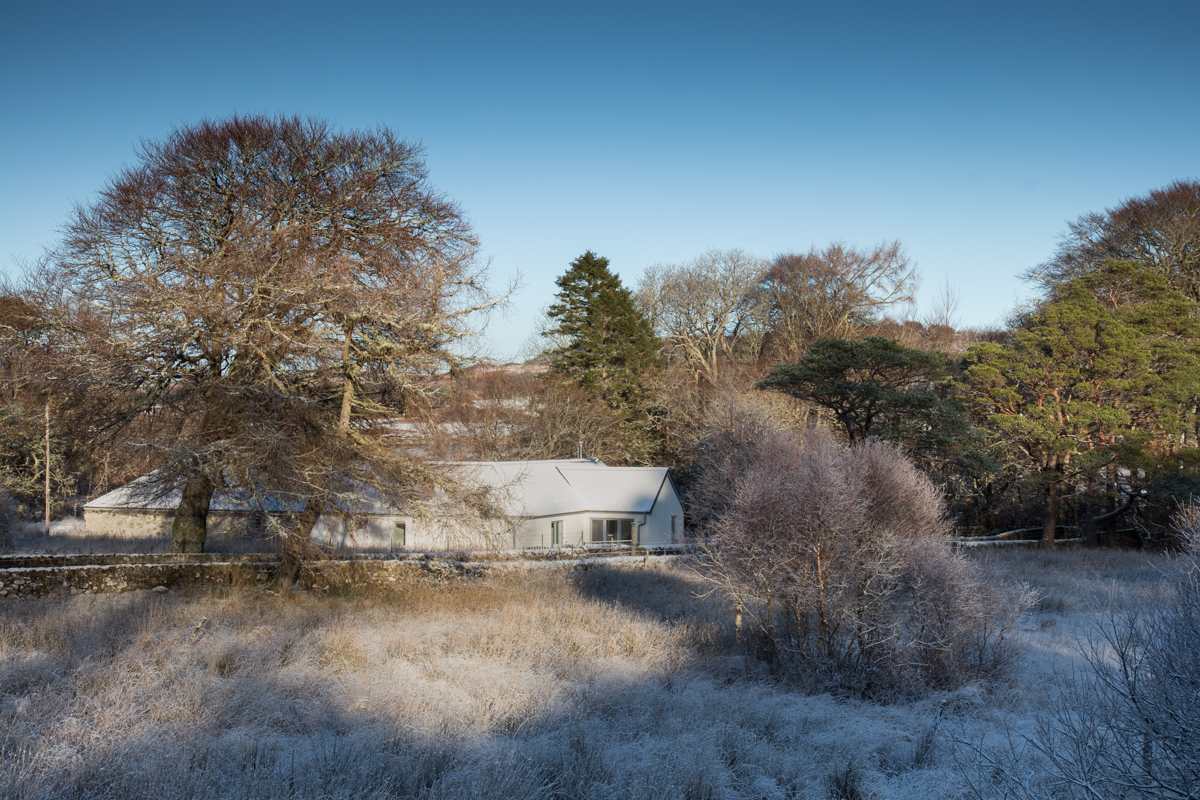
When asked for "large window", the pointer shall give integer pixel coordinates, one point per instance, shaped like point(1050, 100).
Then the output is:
point(612, 530)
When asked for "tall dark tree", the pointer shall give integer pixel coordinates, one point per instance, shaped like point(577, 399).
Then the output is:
point(609, 346)
point(1107, 369)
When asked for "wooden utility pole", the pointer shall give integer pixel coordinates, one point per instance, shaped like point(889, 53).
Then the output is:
point(47, 467)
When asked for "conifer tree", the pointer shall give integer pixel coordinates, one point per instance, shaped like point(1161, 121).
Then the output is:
point(1107, 370)
point(610, 346)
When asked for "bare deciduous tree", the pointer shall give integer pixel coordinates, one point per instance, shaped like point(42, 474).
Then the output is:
point(831, 293)
point(1161, 231)
point(706, 309)
point(274, 290)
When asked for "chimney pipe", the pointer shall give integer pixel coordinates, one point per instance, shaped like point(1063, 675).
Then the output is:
point(581, 451)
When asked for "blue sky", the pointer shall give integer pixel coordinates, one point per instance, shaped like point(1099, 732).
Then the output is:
point(647, 132)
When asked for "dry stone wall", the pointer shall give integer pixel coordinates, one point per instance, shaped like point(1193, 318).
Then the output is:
point(29, 576)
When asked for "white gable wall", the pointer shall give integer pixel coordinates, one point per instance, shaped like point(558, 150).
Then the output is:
point(658, 524)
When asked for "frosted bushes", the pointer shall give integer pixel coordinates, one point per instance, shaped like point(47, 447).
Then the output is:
point(1128, 725)
point(838, 564)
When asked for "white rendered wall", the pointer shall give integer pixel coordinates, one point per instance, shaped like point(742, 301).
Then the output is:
point(657, 530)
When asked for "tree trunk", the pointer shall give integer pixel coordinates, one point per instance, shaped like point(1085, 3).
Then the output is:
point(191, 518)
point(298, 547)
point(1110, 525)
point(47, 467)
point(1051, 519)
point(1089, 509)
point(298, 544)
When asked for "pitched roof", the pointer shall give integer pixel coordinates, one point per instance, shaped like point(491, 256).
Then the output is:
point(568, 486)
point(138, 495)
point(524, 489)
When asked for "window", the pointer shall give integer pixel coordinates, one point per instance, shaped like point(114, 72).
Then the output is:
point(399, 535)
point(672, 527)
point(612, 530)
point(556, 529)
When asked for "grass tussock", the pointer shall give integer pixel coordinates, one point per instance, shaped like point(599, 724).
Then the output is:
point(611, 683)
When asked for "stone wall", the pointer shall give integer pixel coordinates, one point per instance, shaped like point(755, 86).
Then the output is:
point(223, 526)
point(128, 524)
point(42, 575)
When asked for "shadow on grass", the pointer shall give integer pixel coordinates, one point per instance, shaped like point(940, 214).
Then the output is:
point(672, 594)
point(131, 696)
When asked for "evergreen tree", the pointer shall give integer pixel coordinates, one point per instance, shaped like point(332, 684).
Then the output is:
point(1105, 373)
point(610, 345)
point(878, 388)
point(873, 386)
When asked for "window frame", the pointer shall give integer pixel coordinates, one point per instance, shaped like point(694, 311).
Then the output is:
point(621, 522)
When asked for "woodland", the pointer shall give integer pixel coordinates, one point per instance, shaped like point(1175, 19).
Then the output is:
point(273, 304)
point(259, 301)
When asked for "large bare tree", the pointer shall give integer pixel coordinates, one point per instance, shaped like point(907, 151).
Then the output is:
point(707, 309)
point(832, 293)
point(274, 291)
point(1161, 231)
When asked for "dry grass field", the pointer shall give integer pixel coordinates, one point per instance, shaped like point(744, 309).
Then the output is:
point(614, 683)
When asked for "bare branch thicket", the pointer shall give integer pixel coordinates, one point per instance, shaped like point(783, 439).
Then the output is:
point(273, 292)
point(943, 338)
point(707, 310)
point(838, 563)
point(544, 340)
point(31, 407)
point(494, 415)
point(937, 329)
point(834, 292)
point(1160, 230)
point(724, 438)
point(1128, 726)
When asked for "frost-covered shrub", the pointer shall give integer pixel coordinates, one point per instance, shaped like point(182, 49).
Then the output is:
point(838, 563)
point(1129, 725)
point(733, 425)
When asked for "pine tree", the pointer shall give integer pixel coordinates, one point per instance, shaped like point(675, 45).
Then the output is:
point(1106, 371)
point(610, 346)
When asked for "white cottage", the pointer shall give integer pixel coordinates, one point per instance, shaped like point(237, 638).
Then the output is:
point(558, 503)
point(569, 502)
